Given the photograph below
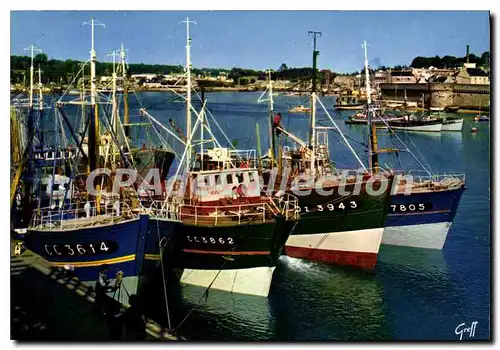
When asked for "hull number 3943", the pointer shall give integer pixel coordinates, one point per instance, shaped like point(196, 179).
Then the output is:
point(328, 207)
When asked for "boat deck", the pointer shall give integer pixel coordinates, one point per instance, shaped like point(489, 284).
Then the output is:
point(83, 222)
point(233, 219)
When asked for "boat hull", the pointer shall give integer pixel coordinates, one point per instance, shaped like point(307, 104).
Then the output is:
point(237, 258)
point(376, 122)
point(453, 125)
point(229, 247)
point(84, 251)
point(349, 107)
point(337, 236)
point(252, 281)
point(429, 236)
point(427, 228)
point(419, 128)
point(357, 248)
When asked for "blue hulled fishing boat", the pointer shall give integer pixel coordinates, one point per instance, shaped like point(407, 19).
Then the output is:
point(86, 232)
point(421, 207)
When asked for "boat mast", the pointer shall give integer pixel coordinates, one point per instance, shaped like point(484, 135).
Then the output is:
point(373, 133)
point(272, 138)
point(114, 106)
point(126, 119)
point(312, 139)
point(82, 98)
point(188, 93)
point(33, 49)
point(94, 118)
point(40, 86)
point(114, 122)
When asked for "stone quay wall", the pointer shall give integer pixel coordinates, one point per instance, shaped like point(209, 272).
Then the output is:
point(465, 96)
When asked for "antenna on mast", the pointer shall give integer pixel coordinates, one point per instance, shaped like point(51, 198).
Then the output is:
point(188, 91)
point(315, 54)
point(93, 58)
point(374, 166)
point(94, 119)
point(126, 119)
point(33, 49)
point(40, 86)
point(312, 140)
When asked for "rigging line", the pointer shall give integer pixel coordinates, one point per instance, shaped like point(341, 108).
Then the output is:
point(163, 140)
point(409, 151)
point(348, 137)
point(341, 134)
point(163, 271)
point(70, 84)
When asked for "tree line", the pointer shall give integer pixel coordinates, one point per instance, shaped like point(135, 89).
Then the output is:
point(63, 72)
point(451, 61)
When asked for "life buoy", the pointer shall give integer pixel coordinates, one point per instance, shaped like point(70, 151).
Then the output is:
point(218, 153)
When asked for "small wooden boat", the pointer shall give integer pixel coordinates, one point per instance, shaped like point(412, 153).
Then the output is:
point(437, 109)
point(482, 118)
point(449, 123)
point(361, 119)
point(350, 107)
point(451, 109)
point(417, 125)
point(299, 109)
point(452, 124)
point(348, 103)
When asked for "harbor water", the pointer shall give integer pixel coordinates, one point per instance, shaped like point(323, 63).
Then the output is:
point(413, 294)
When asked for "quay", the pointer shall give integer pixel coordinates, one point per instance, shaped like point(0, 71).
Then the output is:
point(465, 96)
point(47, 306)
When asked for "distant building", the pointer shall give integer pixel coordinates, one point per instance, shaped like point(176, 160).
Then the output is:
point(469, 74)
point(381, 77)
point(402, 76)
point(443, 79)
point(345, 80)
point(147, 77)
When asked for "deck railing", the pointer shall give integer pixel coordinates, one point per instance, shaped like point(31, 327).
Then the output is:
point(219, 214)
point(58, 218)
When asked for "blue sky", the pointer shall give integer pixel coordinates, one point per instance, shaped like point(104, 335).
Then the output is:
point(256, 39)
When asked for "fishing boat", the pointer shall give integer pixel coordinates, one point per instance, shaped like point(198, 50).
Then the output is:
point(436, 109)
point(418, 125)
point(451, 109)
point(362, 119)
point(299, 109)
point(348, 102)
point(452, 124)
point(228, 235)
point(83, 232)
point(341, 219)
point(421, 207)
point(449, 123)
point(482, 118)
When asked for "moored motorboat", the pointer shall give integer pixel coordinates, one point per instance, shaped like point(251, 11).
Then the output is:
point(362, 119)
point(452, 124)
point(299, 109)
point(482, 118)
point(417, 125)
